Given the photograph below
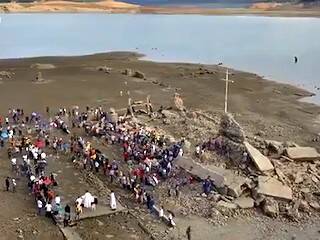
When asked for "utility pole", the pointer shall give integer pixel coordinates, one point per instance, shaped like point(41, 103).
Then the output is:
point(226, 91)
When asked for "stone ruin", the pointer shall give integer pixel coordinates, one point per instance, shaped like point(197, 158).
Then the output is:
point(231, 129)
point(39, 78)
point(128, 72)
point(104, 69)
point(136, 74)
point(232, 136)
point(178, 102)
point(6, 75)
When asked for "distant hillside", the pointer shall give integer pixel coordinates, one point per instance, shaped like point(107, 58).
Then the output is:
point(185, 2)
point(203, 2)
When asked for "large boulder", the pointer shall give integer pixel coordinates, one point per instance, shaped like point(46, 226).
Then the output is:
point(231, 129)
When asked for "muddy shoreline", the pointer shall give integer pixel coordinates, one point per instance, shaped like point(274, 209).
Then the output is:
point(256, 102)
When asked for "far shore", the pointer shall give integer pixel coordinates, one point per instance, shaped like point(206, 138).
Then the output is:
point(262, 9)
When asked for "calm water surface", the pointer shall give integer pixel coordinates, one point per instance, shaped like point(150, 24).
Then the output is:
point(264, 45)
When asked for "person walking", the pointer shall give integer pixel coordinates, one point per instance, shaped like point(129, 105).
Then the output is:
point(57, 200)
point(14, 164)
point(188, 233)
point(161, 212)
point(48, 209)
point(40, 206)
point(113, 202)
point(78, 211)
point(7, 183)
point(14, 184)
point(67, 215)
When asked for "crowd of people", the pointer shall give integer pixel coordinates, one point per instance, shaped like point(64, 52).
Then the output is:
point(27, 139)
point(147, 157)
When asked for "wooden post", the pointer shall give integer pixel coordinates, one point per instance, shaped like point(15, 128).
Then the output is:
point(130, 108)
point(149, 105)
point(226, 91)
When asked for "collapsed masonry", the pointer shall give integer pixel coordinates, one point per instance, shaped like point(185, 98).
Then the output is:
point(232, 136)
point(259, 180)
point(267, 185)
point(6, 75)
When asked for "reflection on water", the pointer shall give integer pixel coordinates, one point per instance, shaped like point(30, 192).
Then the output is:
point(264, 45)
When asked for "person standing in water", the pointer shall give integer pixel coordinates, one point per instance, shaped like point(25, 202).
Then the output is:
point(295, 59)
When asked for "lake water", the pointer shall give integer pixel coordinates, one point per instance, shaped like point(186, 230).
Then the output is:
point(264, 45)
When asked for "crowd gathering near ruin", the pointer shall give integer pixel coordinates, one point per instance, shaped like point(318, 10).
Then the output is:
point(31, 140)
point(136, 160)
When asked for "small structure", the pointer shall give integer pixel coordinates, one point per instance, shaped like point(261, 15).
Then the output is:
point(39, 77)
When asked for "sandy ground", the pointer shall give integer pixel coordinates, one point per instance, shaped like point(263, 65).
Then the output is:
point(18, 211)
point(268, 108)
point(68, 6)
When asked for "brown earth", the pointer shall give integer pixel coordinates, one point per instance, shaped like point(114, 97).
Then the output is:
point(259, 105)
point(262, 107)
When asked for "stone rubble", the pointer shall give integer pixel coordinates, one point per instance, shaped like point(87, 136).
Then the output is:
point(302, 153)
point(261, 162)
point(274, 181)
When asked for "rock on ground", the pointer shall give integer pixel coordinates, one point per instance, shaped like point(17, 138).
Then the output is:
point(302, 153)
point(271, 207)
